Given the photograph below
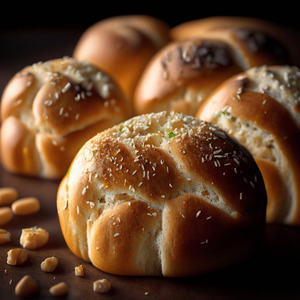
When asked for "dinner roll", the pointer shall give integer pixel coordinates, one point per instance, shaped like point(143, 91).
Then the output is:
point(182, 74)
point(260, 108)
point(122, 45)
point(162, 194)
point(50, 109)
point(264, 28)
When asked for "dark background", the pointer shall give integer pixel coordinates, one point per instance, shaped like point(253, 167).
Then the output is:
point(84, 13)
point(44, 30)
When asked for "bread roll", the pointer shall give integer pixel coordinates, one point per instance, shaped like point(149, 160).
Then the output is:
point(261, 109)
point(50, 109)
point(200, 27)
point(162, 194)
point(122, 46)
point(182, 74)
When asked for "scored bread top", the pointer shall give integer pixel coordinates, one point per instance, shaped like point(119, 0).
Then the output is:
point(183, 73)
point(52, 96)
point(140, 169)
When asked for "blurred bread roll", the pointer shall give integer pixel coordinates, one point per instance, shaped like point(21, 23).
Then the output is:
point(183, 73)
point(260, 108)
point(50, 109)
point(122, 46)
point(287, 36)
point(162, 194)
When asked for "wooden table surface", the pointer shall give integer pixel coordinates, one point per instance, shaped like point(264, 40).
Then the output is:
point(270, 274)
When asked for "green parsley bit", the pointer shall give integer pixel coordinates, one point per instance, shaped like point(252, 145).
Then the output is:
point(171, 134)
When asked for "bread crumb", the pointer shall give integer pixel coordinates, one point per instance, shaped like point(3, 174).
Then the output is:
point(79, 271)
point(34, 237)
point(49, 264)
point(17, 256)
point(101, 286)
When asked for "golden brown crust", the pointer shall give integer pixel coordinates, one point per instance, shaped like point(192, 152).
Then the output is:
point(183, 69)
point(183, 73)
point(159, 180)
point(122, 46)
point(267, 101)
point(50, 109)
point(265, 29)
point(275, 189)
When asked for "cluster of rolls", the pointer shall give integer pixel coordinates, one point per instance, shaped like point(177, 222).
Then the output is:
point(175, 145)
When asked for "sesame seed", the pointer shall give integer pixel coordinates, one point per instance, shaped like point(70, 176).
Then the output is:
point(252, 184)
point(198, 213)
point(48, 102)
point(116, 234)
point(236, 161)
point(241, 195)
point(66, 87)
point(92, 204)
point(208, 218)
point(84, 190)
point(61, 111)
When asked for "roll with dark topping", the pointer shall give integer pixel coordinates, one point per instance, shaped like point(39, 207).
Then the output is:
point(182, 74)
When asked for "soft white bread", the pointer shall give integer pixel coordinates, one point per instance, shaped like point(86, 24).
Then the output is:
point(261, 109)
point(50, 109)
point(122, 46)
point(162, 194)
point(182, 74)
point(263, 30)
